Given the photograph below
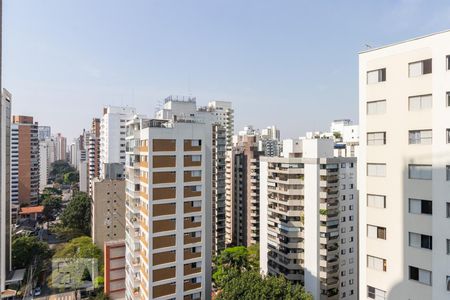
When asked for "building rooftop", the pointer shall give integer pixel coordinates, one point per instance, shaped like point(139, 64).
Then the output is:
point(405, 41)
point(31, 210)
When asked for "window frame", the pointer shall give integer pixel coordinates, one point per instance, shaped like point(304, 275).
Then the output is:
point(421, 99)
point(377, 103)
point(381, 75)
point(374, 141)
point(374, 195)
point(422, 67)
point(377, 171)
point(420, 165)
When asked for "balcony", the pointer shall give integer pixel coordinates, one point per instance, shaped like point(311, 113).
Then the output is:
point(188, 254)
point(189, 147)
point(191, 286)
point(188, 192)
point(164, 290)
point(189, 208)
point(188, 239)
point(164, 161)
point(164, 209)
point(189, 162)
point(189, 270)
point(189, 224)
point(164, 193)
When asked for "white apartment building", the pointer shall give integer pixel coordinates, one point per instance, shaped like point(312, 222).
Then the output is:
point(112, 134)
point(5, 203)
point(308, 220)
point(404, 113)
point(168, 209)
point(47, 156)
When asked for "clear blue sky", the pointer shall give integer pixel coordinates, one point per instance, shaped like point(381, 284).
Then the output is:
point(288, 63)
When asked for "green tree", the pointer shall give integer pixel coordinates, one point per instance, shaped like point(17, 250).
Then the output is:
point(58, 169)
point(52, 206)
point(77, 214)
point(71, 177)
point(251, 285)
point(233, 261)
point(28, 249)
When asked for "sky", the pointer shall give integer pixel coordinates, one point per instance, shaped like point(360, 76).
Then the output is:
point(292, 64)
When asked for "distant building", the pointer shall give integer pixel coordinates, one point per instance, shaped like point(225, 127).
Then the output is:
point(84, 176)
point(61, 147)
point(112, 134)
point(47, 156)
point(94, 152)
point(24, 161)
point(44, 132)
point(242, 193)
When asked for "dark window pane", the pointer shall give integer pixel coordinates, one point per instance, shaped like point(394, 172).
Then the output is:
point(427, 207)
point(427, 66)
point(413, 273)
point(426, 242)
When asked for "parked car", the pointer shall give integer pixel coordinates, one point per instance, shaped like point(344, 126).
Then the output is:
point(37, 291)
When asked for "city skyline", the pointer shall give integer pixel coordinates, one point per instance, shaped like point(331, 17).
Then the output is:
point(262, 56)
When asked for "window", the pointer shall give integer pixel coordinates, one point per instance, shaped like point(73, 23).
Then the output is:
point(377, 201)
point(447, 172)
point(374, 293)
point(376, 138)
point(377, 170)
point(420, 68)
point(196, 157)
point(417, 240)
point(419, 206)
point(448, 98)
point(376, 76)
point(448, 135)
point(448, 246)
point(376, 232)
point(376, 107)
point(448, 283)
point(420, 275)
point(376, 263)
point(448, 62)
point(420, 102)
point(448, 210)
point(423, 172)
point(423, 137)
point(196, 143)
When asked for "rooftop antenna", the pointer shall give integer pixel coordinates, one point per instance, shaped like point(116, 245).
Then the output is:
point(367, 46)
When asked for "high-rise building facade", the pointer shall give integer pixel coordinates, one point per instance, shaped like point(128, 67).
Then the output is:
point(44, 132)
point(168, 209)
point(308, 226)
point(220, 116)
point(242, 193)
point(94, 152)
point(61, 147)
point(405, 169)
point(24, 161)
point(112, 134)
point(47, 156)
point(5, 202)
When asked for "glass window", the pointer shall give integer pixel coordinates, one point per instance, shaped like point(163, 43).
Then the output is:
point(376, 76)
point(374, 293)
point(420, 102)
point(447, 172)
point(376, 138)
point(377, 170)
point(417, 240)
point(448, 62)
point(424, 137)
point(423, 172)
point(377, 201)
point(448, 246)
point(423, 276)
point(376, 263)
point(448, 98)
point(418, 206)
point(420, 68)
point(448, 210)
point(376, 107)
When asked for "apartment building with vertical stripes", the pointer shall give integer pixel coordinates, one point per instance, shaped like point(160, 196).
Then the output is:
point(168, 209)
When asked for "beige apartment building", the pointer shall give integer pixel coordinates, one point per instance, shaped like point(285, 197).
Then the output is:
point(404, 92)
point(108, 210)
point(168, 209)
point(24, 161)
